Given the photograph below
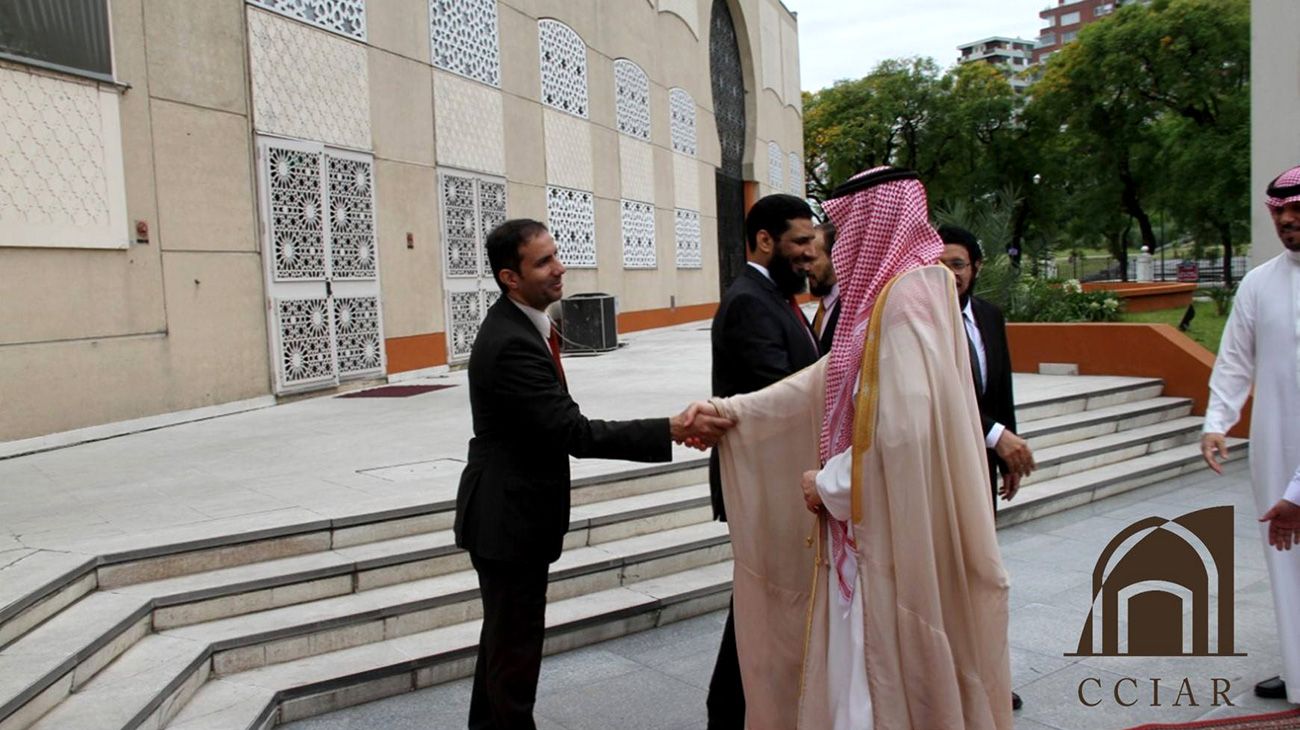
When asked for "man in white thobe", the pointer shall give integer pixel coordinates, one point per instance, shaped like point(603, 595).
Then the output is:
point(1261, 345)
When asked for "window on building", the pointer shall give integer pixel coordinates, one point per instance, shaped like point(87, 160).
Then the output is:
point(345, 17)
point(1051, 20)
point(1067, 37)
point(464, 34)
point(564, 67)
point(775, 166)
point(1070, 18)
point(1046, 39)
point(632, 98)
point(1103, 9)
point(66, 35)
point(682, 109)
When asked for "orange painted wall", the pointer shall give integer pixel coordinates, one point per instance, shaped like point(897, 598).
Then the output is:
point(1139, 350)
point(1147, 297)
point(416, 352)
point(650, 318)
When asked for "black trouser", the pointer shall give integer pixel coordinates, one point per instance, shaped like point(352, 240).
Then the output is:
point(726, 701)
point(510, 644)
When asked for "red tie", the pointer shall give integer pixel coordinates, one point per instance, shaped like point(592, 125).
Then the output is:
point(554, 342)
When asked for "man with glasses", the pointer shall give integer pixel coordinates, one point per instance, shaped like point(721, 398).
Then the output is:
point(986, 335)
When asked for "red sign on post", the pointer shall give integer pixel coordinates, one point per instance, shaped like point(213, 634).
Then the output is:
point(1189, 271)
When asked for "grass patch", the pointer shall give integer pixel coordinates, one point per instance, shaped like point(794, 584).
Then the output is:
point(1206, 327)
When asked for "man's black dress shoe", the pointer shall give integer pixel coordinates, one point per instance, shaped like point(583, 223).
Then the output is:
point(1016, 703)
point(1271, 689)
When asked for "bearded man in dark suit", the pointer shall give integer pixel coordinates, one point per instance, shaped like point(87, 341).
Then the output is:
point(759, 337)
point(512, 507)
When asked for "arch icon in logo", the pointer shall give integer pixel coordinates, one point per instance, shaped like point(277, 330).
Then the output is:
point(1155, 579)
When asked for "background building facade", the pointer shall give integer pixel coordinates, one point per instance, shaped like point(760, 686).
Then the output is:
point(1012, 55)
point(236, 200)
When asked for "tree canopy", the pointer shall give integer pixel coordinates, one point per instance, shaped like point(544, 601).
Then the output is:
point(1144, 117)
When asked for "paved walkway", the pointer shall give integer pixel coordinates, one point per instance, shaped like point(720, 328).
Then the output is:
point(657, 680)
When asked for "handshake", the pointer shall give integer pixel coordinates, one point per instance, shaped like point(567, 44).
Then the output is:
point(699, 426)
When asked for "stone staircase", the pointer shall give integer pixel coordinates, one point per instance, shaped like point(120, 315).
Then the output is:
point(266, 627)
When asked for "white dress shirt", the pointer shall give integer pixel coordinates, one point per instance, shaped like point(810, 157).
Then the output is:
point(973, 332)
point(541, 320)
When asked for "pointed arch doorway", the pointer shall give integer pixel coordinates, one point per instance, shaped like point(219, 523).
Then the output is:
point(728, 77)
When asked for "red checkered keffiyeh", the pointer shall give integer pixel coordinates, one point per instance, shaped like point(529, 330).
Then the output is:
point(1285, 189)
point(884, 231)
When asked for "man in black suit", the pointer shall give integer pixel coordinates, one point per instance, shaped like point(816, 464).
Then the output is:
point(512, 508)
point(759, 337)
point(986, 335)
point(822, 284)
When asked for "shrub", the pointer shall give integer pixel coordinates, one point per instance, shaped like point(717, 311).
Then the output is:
point(1222, 298)
point(1040, 300)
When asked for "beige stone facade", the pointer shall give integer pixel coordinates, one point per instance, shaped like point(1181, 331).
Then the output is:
point(268, 200)
point(1275, 99)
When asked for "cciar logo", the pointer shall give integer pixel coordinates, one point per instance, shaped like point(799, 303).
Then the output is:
point(1162, 588)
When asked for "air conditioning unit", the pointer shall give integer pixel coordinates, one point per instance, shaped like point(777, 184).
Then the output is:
point(589, 322)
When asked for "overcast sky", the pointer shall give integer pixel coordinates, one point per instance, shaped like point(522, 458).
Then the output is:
point(845, 39)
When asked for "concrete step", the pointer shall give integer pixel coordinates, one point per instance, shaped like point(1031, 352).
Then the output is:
point(1091, 453)
point(1073, 395)
point(1056, 430)
point(64, 652)
point(1078, 488)
point(339, 622)
point(260, 698)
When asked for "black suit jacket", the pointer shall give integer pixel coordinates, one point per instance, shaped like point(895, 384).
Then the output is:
point(997, 402)
point(828, 329)
point(758, 339)
point(513, 501)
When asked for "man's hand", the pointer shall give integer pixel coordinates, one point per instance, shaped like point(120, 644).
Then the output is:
point(1212, 443)
point(1283, 521)
point(1016, 453)
point(699, 426)
point(811, 497)
point(1010, 486)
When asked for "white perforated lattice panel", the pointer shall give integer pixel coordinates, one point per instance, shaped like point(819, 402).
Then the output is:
point(307, 84)
point(356, 326)
point(472, 205)
point(638, 235)
point(466, 314)
point(632, 98)
point(323, 276)
point(683, 121)
point(297, 215)
point(564, 67)
point(572, 218)
point(796, 175)
point(775, 166)
point(688, 239)
point(352, 219)
point(460, 226)
point(306, 347)
point(465, 39)
point(346, 17)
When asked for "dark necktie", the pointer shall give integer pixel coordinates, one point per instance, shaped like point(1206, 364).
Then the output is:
point(798, 313)
point(974, 359)
point(554, 342)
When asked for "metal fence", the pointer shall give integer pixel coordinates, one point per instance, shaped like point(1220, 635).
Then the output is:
point(1107, 268)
